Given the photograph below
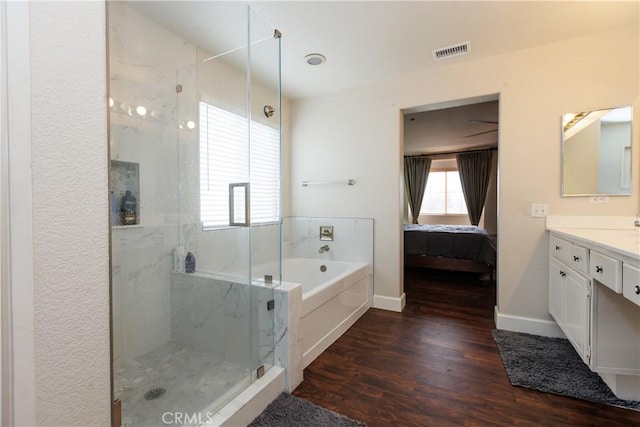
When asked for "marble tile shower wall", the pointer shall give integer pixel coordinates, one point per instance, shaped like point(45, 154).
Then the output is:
point(141, 263)
point(216, 316)
point(141, 257)
point(227, 250)
point(168, 159)
point(210, 315)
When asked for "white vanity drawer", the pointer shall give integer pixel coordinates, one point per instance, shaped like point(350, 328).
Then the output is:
point(560, 249)
point(631, 283)
point(606, 270)
point(580, 259)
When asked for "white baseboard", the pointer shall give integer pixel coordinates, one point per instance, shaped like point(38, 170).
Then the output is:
point(390, 303)
point(529, 325)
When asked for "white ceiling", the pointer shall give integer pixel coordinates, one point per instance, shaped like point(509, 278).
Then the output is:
point(368, 41)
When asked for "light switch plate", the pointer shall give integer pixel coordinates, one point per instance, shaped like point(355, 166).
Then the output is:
point(539, 210)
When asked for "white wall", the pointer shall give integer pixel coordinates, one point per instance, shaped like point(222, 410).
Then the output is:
point(358, 133)
point(70, 213)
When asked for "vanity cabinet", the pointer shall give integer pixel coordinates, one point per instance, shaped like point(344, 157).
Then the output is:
point(570, 295)
point(594, 296)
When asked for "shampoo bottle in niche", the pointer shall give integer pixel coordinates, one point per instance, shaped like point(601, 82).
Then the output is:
point(128, 209)
point(190, 263)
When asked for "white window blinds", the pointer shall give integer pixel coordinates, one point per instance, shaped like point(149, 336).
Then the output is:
point(227, 158)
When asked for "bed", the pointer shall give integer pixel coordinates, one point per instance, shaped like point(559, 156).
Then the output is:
point(449, 247)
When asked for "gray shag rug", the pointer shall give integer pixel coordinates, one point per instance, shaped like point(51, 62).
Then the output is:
point(553, 366)
point(291, 411)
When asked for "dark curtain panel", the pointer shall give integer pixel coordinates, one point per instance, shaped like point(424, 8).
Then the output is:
point(475, 171)
point(416, 171)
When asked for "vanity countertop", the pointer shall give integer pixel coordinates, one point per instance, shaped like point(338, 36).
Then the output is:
point(625, 242)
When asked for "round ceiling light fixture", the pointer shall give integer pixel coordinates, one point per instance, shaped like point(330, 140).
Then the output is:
point(315, 59)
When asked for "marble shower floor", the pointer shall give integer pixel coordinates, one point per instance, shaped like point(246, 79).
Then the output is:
point(193, 381)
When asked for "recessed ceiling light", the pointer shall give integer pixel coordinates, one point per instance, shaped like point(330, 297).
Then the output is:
point(315, 59)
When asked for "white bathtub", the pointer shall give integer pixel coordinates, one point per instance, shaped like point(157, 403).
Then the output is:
point(332, 300)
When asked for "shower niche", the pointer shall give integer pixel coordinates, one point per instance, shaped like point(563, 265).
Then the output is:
point(124, 193)
point(191, 342)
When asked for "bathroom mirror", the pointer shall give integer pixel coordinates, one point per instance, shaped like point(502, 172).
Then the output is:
point(596, 152)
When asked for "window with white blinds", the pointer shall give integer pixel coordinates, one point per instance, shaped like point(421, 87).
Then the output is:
point(225, 158)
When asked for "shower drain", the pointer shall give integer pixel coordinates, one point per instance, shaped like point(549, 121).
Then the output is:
point(154, 393)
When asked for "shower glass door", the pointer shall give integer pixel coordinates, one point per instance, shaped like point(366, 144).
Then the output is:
point(264, 164)
point(195, 149)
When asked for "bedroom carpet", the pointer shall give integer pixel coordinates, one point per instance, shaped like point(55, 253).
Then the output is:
point(551, 365)
point(291, 411)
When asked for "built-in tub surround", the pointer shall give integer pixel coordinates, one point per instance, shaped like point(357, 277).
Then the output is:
point(332, 300)
point(594, 295)
point(352, 239)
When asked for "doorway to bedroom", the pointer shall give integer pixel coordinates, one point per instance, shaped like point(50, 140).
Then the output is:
point(451, 197)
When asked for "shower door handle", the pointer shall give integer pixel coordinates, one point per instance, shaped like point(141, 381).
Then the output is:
point(239, 204)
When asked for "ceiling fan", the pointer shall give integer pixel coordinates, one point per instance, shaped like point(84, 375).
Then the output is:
point(483, 122)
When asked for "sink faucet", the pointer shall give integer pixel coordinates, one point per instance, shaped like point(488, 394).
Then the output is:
point(324, 249)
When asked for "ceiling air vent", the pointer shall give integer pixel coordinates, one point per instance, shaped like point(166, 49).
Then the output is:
point(449, 51)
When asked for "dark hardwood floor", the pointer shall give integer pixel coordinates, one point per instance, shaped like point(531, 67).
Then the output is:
point(436, 364)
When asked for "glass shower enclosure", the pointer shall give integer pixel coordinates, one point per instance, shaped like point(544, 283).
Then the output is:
point(194, 113)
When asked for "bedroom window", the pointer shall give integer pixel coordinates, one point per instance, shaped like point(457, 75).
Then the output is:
point(225, 158)
point(443, 195)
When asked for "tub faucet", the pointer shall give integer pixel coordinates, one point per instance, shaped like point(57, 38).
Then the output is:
point(324, 249)
point(636, 223)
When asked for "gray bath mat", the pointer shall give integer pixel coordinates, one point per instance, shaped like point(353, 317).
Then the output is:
point(291, 411)
point(553, 366)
